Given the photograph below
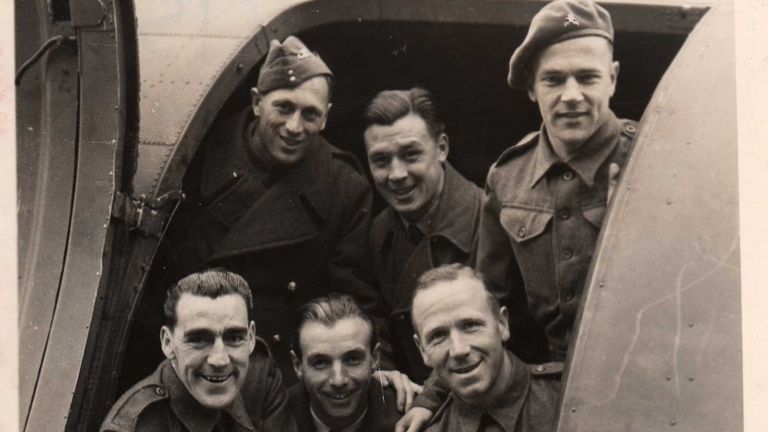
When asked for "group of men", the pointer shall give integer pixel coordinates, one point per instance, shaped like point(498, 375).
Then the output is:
point(284, 275)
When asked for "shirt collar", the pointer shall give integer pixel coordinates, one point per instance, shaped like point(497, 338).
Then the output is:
point(456, 203)
point(322, 427)
point(506, 411)
point(587, 160)
point(194, 416)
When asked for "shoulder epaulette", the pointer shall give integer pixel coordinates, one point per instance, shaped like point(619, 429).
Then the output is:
point(629, 128)
point(547, 369)
point(524, 144)
point(126, 411)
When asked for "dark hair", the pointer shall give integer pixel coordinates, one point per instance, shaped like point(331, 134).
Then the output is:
point(327, 311)
point(452, 272)
point(390, 106)
point(211, 283)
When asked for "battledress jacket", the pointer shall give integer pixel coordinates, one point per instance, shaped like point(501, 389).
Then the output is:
point(161, 403)
point(541, 217)
point(529, 404)
point(398, 263)
point(294, 235)
point(381, 415)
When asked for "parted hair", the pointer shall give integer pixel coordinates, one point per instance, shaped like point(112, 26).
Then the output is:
point(327, 311)
point(390, 106)
point(213, 283)
point(452, 272)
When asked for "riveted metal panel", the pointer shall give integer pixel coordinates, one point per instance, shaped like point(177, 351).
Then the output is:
point(658, 344)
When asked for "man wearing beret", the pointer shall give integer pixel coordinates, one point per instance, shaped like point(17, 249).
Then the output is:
point(546, 196)
point(217, 375)
point(275, 202)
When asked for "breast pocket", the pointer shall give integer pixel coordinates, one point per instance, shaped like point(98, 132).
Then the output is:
point(522, 224)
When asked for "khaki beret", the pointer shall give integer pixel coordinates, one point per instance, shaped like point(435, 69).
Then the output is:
point(289, 64)
point(556, 22)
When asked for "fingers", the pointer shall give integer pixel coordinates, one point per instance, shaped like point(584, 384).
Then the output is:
point(400, 389)
point(613, 178)
point(409, 393)
point(382, 377)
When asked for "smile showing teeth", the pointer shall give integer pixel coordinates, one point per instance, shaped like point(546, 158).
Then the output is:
point(291, 142)
point(403, 191)
point(216, 379)
point(338, 396)
point(465, 369)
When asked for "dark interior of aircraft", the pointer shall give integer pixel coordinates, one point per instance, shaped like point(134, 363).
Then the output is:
point(465, 66)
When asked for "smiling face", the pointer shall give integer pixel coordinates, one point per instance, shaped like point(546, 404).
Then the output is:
point(406, 164)
point(290, 119)
point(336, 367)
point(461, 338)
point(573, 83)
point(209, 346)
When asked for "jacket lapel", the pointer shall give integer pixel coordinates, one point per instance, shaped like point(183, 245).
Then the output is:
point(284, 215)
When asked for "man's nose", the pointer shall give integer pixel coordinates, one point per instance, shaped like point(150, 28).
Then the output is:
point(218, 357)
point(572, 91)
point(339, 376)
point(397, 171)
point(294, 125)
point(459, 346)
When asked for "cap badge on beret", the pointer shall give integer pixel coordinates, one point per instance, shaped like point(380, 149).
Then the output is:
point(571, 20)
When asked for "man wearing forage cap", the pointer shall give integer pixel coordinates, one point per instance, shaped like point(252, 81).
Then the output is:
point(276, 203)
point(546, 196)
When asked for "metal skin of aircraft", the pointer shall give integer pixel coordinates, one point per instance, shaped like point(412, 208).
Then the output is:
point(112, 111)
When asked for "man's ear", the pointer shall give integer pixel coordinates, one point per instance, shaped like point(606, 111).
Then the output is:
point(255, 99)
point(166, 342)
point(424, 356)
point(442, 147)
point(296, 361)
point(376, 356)
point(504, 323)
point(251, 336)
point(325, 116)
point(614, 76)
point(531, 94)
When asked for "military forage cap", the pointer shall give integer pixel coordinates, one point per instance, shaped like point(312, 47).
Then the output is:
point(557, 21)
point(289, 64)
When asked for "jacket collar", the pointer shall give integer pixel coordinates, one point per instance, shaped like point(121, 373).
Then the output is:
point(589, 157)
point(233, 158)
point(194, 416)
point(507, 411)
point(454, 204)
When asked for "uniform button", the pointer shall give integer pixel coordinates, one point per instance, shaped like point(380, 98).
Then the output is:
point(291, 286)
point(568, 296)
point(568, 175)
point(539, 368)
point(565, 214)
point(292, 78)
point(521, 232)
point(276, 339)
point(567, 254)
point(159, 391)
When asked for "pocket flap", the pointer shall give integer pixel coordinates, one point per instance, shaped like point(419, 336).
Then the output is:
point(595, 215)
point(524, 224)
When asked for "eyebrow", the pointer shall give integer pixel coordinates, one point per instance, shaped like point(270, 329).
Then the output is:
point(209, 332)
